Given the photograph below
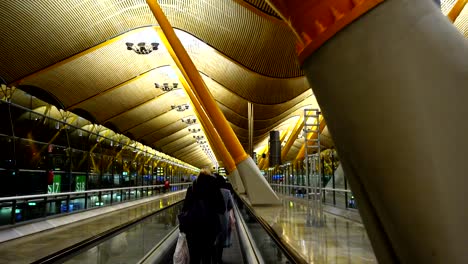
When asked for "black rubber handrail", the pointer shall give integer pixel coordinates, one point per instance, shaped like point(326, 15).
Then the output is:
point(94, 240)
point(289, 251)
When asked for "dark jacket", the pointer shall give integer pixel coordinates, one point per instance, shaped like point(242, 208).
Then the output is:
point(206, 191)
point(205, 188)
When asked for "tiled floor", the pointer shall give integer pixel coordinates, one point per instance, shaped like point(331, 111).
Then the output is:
point(30, 248)
point(338, 241)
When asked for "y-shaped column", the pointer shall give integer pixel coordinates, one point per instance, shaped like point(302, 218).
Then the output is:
point(393, 88)
point(256, 186)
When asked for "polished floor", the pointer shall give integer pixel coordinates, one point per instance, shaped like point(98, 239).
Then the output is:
point(33, 247)
point(338, 240)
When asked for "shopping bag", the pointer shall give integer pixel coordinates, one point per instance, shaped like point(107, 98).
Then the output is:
point(181, 254)
point(232, 219)
point(231, 226)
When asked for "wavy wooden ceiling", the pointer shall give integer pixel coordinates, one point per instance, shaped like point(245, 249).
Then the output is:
point(76, 51)
point(263, 7)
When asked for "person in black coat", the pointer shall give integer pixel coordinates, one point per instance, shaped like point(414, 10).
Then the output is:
point(204, 201)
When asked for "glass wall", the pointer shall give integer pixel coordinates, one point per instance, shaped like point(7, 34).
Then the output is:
point(290, 179)
point(44, 152)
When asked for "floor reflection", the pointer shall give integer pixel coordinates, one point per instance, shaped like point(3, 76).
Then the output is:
point(30, 248)
point(338, 241)
point(132, 244)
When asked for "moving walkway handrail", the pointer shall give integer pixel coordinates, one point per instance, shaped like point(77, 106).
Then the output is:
point(251, 253)
point(305, 187)
point(36, 196)
point(249, 247)
point(289, 251)
point(160, 250)
point(67, 197)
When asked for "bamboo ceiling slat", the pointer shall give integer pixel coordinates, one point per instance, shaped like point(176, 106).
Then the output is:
point(157, 123)
point(461, 23)
point(263, 126)
point(122, 99)
point(263, 6)
point(174, 136)
point(241, 81)
point(45, 32)
point(165, 131)
point(199, 158)
point(241, 46)
point(152, 109)
point(447, 5)
point(190, 151)
point(99, 70)
point(239, 33)
point(54, 30)
point(178, 143)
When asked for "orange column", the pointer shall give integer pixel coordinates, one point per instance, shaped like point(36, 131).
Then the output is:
point(213, 136)
point(315, 22)
point(456, 10)
point(199, 88)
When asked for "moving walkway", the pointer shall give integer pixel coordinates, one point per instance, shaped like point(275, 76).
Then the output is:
point(153, 238)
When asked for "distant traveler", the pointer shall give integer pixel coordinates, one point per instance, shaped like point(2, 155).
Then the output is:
point(199, 219)
point(166, 186)
point(222, 240)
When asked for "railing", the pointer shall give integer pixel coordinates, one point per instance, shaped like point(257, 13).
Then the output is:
point(251, 252)
point(264, 243)
point(20, 209)
point(341, 198)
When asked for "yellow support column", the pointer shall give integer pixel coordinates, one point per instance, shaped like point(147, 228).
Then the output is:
point(456, 10)
point(212, 135)
point(257, 188)
point(292, 138)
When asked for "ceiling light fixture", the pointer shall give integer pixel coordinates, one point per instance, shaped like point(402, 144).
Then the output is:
point(166, 87)
point(180, 108)
point(189, 120)
point(142, 47)
point(194, 130)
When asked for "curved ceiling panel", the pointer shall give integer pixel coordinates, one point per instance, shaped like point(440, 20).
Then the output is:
point(262, 127)
point(178, 144)
point(155, 123)
point(241, 81)
point(123, 97)
point(238, 104)
point(117, 86)
point(263, 6)
point(258, 43)
point(161, 133)
point(100, 69)
point(46, 32)
point(111, 66)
